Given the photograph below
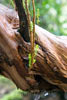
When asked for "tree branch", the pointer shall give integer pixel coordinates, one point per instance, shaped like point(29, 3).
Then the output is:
point(24, 31)
point(50, 70)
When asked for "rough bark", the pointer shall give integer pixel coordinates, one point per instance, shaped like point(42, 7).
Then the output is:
point(23, 23)
point(50, 70)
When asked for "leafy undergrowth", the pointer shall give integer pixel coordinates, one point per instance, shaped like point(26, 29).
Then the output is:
point(15, 95)
point(8, 90)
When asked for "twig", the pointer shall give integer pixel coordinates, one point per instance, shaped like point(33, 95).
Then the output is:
point(33, 36)
point(32, 32)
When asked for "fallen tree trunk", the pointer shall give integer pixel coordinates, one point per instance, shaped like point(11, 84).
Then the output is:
point(50, 70)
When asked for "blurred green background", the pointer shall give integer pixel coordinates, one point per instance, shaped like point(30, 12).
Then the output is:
point(53, 17)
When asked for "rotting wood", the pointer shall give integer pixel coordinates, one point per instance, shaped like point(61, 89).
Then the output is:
point(50, 70)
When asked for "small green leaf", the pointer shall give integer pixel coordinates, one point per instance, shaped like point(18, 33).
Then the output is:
point(36, 49)
point(29, 56)
point(38, 15)
point(34, 60)
point(31, 25)
point(12, 3)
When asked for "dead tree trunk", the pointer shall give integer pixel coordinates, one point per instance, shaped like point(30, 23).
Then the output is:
point(50, 70)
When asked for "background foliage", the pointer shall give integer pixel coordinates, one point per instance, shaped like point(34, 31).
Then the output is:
point(53, 17)
point(53, 14)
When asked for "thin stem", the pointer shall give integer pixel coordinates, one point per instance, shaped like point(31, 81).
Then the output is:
point(32, 33)
point(33, 36)
point(33, 21)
